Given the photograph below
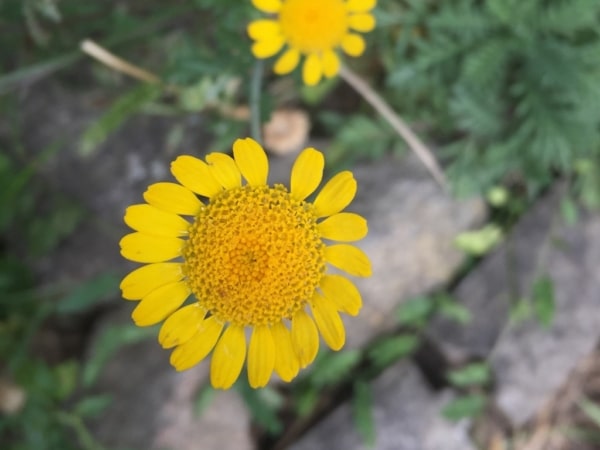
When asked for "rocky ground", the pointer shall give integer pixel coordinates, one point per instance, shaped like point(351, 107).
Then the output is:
point(539, 375)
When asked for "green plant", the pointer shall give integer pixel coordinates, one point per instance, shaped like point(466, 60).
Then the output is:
point(511, 87)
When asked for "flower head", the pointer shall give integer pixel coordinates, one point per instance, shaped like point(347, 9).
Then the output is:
point(315, 29)
point(254, 258)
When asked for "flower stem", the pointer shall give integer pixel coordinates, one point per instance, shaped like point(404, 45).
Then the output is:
point(413, 141)
point(255, 91)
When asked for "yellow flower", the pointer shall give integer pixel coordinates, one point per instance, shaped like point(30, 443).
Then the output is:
point(254, 258)
point(313, 28)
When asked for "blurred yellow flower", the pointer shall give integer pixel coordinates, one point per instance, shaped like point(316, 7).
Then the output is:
point(254, 258)
point(313, 28)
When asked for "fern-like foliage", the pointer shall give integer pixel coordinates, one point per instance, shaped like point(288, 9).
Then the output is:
point(511, 86)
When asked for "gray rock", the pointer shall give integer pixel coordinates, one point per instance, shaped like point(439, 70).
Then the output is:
point(153, 405)
point(487, 291)
point(412, 225)
point(406, 414)
point(529, 361)
point(105, 182)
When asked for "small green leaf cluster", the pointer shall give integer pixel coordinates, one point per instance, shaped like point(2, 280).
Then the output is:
point(471, 379)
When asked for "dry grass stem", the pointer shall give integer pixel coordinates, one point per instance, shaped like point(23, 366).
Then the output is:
point(114, 62)
point(413, 141)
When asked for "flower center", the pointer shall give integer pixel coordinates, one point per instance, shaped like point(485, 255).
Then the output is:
point(254, 255)
point(313, 25)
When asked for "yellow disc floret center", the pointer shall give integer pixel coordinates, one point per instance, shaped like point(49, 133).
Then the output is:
point(313, 25)
point(254, 255)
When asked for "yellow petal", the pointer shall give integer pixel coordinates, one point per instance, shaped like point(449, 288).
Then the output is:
point(268, 6)
point(343, 227)
point(228, 357)
point(342, 292)
point(181, 325)
point(268, 47)
point(360, 5)
point(353, 44)
point(140, 247)
point(261, 357)
point(252, 161)
point(336, 194)
point(329, 323)
point(312, 70)
point(143, 280)
point(159, 303)
point(331, 63)
point(195, 175)
point(174, 198)
point(198, 346)
point(305, 338)
point(224, 170)
point(264, 29)
point(362, 22)
point(286, 361)
point(156, 222)
point(348, 258)
point(287, 62)
point(307, 173)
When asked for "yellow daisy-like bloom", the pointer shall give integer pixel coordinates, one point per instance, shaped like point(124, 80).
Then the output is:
point(313, 28)
point(254, 258)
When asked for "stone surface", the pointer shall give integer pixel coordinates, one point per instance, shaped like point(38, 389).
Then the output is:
point(114, 176)
point(529, 361)
point(406, 414)
point(153, 405)
point(487, 290)
point(412, 225)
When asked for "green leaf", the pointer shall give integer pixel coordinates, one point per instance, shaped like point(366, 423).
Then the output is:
point(498, 196)
point(305, 400)
point(520, 311)
point(476, 374)
point(261, 407)
point(362, 408)
point(89, 294)
point(358, 137)
point(113, 338)
point(543, 300)
point(66, 378)
point(44, 233)
point(14, 277)
point(389, 350)
point(415, 311)
point(448, 307)
point(90, 407)
point(591, 409)
point(204, 399)
point(479, 242)
point(313, 95)
point(333, 367)
point(568, 210)
point(588, 182)
point(468, 406)
point(111, 120)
